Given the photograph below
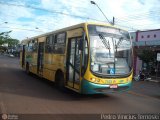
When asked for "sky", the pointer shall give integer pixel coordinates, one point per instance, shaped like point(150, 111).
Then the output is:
point(28, 18)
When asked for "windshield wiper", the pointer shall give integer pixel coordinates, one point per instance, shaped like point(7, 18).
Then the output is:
point(105, 42)
point(118, 43)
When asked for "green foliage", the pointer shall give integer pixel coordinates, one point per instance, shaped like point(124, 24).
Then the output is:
point(6, 39)
point(147, 56)
point(12, 42)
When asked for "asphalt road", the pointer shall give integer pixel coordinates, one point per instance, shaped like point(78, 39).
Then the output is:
point(27, 94)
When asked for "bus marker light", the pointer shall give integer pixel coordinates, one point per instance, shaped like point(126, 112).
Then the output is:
point(92, 79)
point(113, 86)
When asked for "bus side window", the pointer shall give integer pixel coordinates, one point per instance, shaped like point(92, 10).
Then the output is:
point(59, 43)
point(35, 44)
point(48, 46)
point(50, 40)
point(30, 46)
point(53, 42)
point(53, 39)
point(47, 40)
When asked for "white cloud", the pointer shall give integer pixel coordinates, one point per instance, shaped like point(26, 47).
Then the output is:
point(13, 12)
point(51, 21)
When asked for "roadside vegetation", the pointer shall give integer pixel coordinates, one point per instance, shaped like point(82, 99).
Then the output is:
point(7, 44)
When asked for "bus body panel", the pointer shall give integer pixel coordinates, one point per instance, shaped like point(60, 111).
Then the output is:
point(33, 63)
point(99, 80)
point(93, 88)
point(53, 62)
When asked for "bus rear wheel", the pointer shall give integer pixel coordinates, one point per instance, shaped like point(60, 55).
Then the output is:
point(27, 68)
point(59, 81)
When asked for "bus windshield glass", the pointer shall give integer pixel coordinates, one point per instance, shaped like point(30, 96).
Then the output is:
point(110, 50)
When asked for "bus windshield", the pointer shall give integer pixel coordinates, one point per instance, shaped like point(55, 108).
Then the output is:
point(110, 51)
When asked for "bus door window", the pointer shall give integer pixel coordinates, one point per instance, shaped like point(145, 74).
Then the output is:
point(77, 60)
point(40, 57)
point(71, 59)
point(74, 60)
point(23, 55)
point(84, 56)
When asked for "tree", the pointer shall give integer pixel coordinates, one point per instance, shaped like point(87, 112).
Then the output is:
point(12, 42)
point(6, 39)
point(147, 56)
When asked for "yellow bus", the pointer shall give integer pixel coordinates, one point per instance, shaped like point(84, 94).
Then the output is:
point(88, 58)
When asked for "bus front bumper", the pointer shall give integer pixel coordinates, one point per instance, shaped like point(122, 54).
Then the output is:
point(93, 88)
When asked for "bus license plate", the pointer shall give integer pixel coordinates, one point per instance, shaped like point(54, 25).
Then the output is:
point(113, 86)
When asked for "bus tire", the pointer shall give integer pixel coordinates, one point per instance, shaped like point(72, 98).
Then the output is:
point(27, 68)
point(59, 80)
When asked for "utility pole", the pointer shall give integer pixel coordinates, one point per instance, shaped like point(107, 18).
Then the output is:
point(92, 2)
point(113, 22)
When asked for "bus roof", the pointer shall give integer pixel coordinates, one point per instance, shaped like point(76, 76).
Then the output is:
point(66, 28)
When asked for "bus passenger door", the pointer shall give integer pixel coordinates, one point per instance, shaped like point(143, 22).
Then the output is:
point(23, 55)
point(40, 58)
point(73, 63)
